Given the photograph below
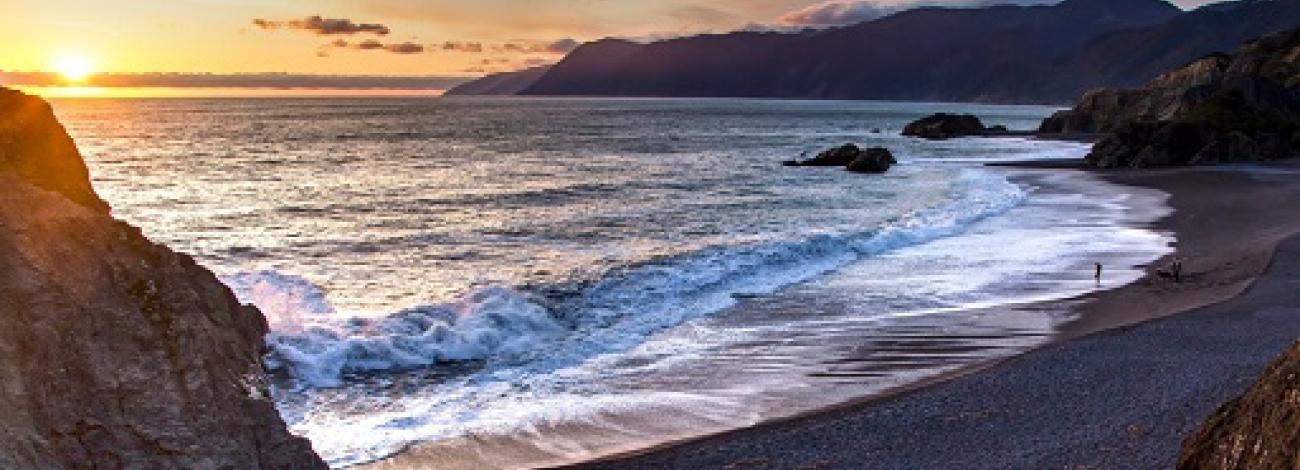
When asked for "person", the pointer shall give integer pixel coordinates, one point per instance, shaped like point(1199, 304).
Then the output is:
point(1098, 275)
point(1178, 269)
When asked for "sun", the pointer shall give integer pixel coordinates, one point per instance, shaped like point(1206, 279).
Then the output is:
point(74, 68)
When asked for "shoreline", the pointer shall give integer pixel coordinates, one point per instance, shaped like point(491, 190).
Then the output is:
point(1220, 271)
point(996, 332)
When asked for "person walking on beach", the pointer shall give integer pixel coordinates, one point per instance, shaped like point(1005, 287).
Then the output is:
point(1098, 275)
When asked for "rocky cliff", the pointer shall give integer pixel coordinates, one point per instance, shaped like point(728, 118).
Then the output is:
point(1258, 430)
point(116, 352)
point(1221, 108)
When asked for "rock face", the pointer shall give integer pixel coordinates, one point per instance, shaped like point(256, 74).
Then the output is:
point(853, 158)
point(34, 146)
point(1258, 430)
point(1243, 106)
point(872, 160)
point(946, 126)
point(114, 351)
point(838, 156)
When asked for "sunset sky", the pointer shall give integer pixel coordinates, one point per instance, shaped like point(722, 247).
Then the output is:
point(374, 37)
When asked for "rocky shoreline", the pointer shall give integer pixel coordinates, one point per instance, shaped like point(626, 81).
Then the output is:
point(115, 351)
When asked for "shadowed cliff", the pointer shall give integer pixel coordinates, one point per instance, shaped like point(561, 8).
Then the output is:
point(1258, 430)
point(114, 351)
point(1039, 54)
point(1243, 106)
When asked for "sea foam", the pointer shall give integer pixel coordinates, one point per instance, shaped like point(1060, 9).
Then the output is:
point(508, 326)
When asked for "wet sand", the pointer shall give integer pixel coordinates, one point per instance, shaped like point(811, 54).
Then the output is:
point(1119, 388)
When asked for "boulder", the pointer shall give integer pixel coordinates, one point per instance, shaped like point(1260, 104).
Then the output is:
point(115, 351)
point(945, 126)
point(873, 160)
point(838, 156)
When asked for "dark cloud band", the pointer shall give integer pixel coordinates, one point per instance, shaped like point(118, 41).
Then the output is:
point(324, 26)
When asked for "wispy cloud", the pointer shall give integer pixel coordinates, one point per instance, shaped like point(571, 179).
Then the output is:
point(843, 12)
point(462, 46)
point(836, 12)
point(558, 46)
point(324, 26)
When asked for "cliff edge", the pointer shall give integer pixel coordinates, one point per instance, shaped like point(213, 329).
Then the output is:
point(1243, 106)
point(1258, 430)
point(114, 351)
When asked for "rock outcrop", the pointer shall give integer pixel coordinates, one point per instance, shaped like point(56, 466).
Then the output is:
point(872, 160)
point(35, 147)
point(838, 156)
point(1243, 106)
point(852, 158)
point(946, 126)
point(1258, 430)
point(116, 352)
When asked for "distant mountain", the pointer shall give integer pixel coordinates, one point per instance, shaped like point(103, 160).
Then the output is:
point(985, 54)
point(1038, 54)
point(1132, 57)
point(505, 83)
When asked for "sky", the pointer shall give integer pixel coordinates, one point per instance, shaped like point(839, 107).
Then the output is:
point(456, 38)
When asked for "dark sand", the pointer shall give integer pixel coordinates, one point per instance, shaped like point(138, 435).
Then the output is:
point(1105, 395)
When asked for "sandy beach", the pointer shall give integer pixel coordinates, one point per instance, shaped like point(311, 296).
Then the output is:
point(1113, 391)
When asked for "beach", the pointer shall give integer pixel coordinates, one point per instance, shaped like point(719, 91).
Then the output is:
point(1122, 385)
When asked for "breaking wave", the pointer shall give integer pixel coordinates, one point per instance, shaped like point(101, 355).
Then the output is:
point(561, 324)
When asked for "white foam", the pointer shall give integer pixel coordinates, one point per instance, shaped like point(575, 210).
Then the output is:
point(507, 327)
point(289, 302)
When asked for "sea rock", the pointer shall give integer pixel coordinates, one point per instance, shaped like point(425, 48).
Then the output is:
point(114, 351)
point(1258, 430)
point(873, 160)
point(838, 156)
point(945, 126)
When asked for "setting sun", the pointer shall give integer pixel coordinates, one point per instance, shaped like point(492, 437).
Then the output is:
point(73, 68)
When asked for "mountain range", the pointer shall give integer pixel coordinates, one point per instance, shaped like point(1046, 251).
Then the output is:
point(1001, 54)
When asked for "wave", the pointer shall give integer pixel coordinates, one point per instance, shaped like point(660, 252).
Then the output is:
point(555, 325)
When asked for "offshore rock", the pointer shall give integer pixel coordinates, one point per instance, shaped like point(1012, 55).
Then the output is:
point(946, 126)
point(873, 160)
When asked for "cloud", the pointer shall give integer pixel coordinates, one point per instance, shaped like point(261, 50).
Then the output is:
point(369, 44)
point(700, 15)
point(843, 12)
point(405, 48)
point(462, 46)
point(324, 26)
point(559, 46)
point(835, 13)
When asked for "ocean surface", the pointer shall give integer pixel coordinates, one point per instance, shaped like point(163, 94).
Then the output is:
point(521, 282)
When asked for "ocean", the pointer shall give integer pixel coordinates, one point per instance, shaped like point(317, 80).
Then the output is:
point(510, 283)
